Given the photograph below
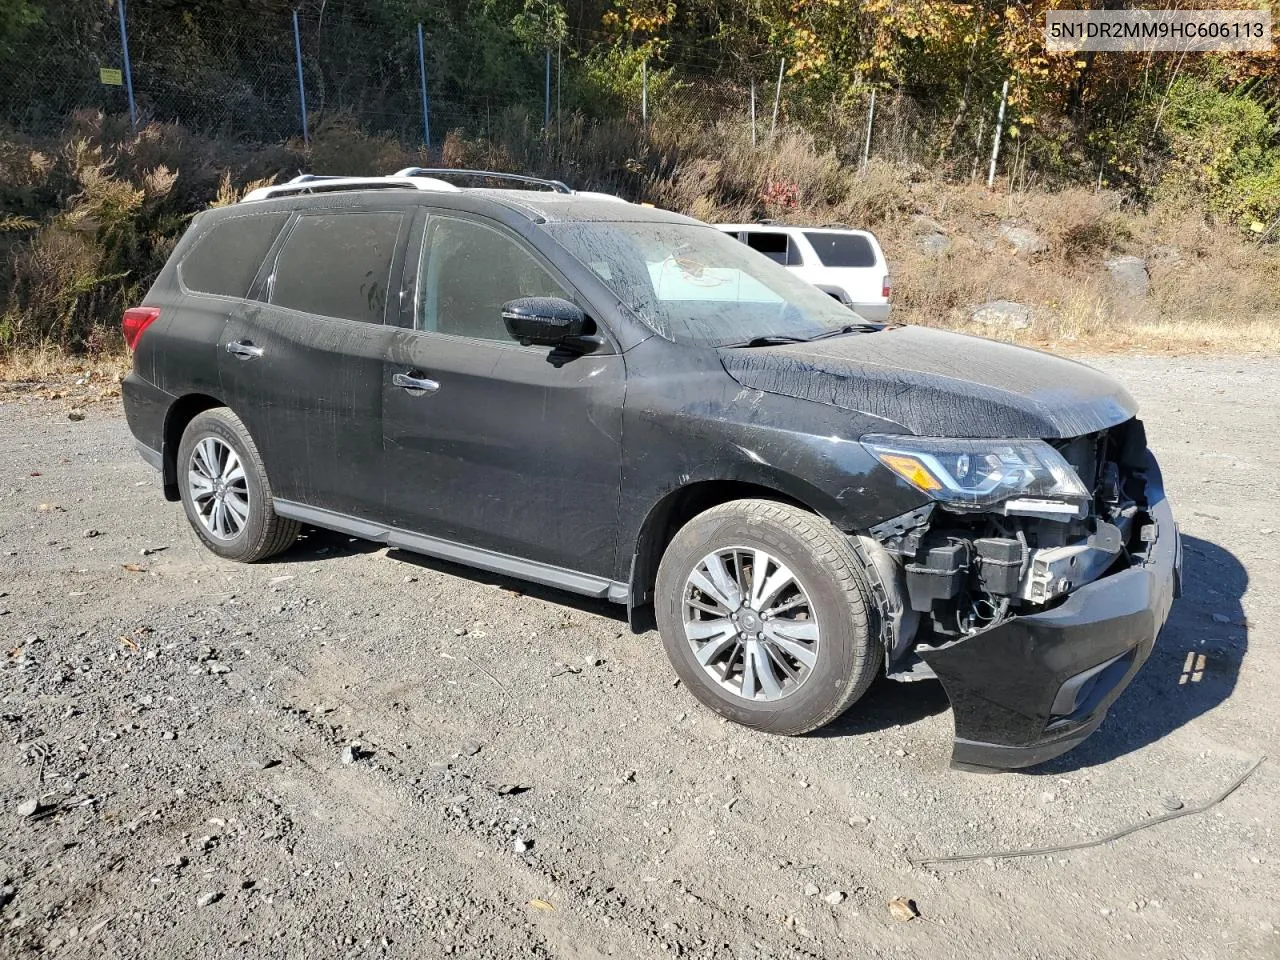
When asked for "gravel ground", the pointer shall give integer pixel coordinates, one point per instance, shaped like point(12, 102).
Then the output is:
point(525, 780)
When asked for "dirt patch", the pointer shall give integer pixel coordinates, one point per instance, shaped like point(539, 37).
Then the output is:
point(526, 781)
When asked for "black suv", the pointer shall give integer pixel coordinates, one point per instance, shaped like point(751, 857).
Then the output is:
point(626, 403)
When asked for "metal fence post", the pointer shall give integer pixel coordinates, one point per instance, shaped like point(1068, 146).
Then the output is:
point(644, 91)
point(777, 96)
point(302, 87)
point(128, 69)
point(871, 117)
point(995, 143)
point(422, 77)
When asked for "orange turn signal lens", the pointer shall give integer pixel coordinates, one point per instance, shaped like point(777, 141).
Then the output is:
point(911, 470)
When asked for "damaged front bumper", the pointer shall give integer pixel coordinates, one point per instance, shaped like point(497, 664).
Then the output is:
point(1032, 687)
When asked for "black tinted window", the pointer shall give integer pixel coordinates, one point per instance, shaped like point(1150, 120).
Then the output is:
point(468, 272)
point(775, 246)
point(842, 249)
point(226, 259)
point(337, 265)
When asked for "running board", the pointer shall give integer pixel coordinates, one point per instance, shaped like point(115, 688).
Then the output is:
point(521, 569)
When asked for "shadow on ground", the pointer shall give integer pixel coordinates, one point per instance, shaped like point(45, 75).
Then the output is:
point(1193, 668)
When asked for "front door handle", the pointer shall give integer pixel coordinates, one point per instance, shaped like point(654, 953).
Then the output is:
point(415, 384)
point(244, 349)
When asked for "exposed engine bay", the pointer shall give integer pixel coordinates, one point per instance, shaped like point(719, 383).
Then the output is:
point(947, 571)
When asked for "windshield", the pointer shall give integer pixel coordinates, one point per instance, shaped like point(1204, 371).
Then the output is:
point(693, 284)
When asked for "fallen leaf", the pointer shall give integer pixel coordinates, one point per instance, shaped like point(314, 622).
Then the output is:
point(539, 904)
point(134, 567)
point(903, 909)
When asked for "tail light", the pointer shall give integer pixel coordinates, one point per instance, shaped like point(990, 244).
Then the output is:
point(886, 288)
point(135, 321)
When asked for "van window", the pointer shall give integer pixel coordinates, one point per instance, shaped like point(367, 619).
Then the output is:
point(226, 259)
point(776, 246)
point(337, 265)
point(842, 249)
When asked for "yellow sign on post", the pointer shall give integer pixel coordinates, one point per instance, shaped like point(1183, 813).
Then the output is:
point(111, 76)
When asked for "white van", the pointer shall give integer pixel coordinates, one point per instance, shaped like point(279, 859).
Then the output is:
point(847, 264)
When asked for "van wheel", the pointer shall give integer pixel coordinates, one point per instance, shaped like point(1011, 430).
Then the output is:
point(225, 490)
point(765, 614)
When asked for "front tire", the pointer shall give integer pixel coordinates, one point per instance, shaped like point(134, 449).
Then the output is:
point(765, 614)
point(225, 491)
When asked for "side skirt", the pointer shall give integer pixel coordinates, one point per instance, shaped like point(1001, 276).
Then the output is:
point(544, 573)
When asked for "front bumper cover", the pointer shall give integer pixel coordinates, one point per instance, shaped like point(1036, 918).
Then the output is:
point(1032, 687)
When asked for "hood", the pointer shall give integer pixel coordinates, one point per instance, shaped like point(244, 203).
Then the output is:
point(935, 383)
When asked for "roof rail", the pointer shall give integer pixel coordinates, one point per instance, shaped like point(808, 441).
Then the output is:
point(314, 183)
point(559, 186)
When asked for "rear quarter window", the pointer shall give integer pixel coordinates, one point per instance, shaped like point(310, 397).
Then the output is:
point(842, 249)
point(226, 258)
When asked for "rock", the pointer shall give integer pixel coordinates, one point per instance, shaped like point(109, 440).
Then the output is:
point(470, 748)
point(1025, 242)
point(835, 897)
point(923, 225)
point(1002, 313)
point(1171, 802)
point(268, 763)
point(206, 899)
point(28, 808)
point(1221, 618)
point(351, 753)
point(934, 244)
point(1129, 274)
point(522, 845)
point(459, 631)
point(75, 416)
point(812, 890)
point(6, 895)
point(91, 533)
point(410, 579)
point(216, 667)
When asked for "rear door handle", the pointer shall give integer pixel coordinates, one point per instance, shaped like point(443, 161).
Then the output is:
point(414, 384)
point(244, 349)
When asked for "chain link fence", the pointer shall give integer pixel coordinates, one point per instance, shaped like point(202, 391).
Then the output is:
point(282, 74)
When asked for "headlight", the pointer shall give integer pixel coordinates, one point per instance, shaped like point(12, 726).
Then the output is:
point(978, 473)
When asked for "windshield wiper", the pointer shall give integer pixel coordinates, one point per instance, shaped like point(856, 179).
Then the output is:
point(774, 339)
point(850, 328)
point(769, 340)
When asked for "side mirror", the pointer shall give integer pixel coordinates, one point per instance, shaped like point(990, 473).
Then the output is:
point(543, 321)
point(551, 322)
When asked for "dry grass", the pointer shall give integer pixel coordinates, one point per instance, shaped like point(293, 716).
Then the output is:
point(1212, 287)
point(49, 366)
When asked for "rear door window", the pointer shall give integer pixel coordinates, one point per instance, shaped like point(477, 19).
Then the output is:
point(842, 249)
point(226, 259)
point(338, 265)
point(776, 246)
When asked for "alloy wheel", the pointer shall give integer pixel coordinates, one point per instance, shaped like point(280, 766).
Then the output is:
point(219, 488)
point(750, 624)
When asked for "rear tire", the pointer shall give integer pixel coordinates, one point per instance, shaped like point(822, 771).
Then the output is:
point(225, 490)
point(765, 614)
